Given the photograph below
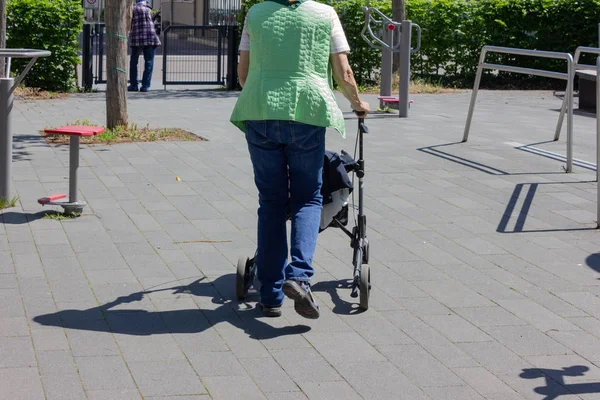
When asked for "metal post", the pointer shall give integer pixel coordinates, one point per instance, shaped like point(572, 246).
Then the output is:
point(232, 58)
point(561, 116)
point(220, 52)
point(569, 93)
point(73, 167)
point(386, 65)
point(598, 141)
point(6, 105)
point(404, 70)
point(165, 50)
point(88, 60)
point(474, 95)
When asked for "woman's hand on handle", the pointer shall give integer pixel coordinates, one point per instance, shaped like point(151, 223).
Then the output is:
point(362, 109)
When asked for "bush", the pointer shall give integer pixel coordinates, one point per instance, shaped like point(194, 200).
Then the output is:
point(52, 25)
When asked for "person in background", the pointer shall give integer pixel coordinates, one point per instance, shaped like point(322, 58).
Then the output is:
point(287, 53)
point(142, 39)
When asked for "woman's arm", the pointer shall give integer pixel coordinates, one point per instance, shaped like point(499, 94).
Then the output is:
point(243, 66)
point(343, 75)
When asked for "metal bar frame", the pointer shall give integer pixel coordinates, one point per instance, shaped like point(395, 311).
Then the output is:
point(578, 52)
point(567, 102)
point(7, 88)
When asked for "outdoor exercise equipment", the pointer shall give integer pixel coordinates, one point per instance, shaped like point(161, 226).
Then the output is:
point(392, 37)
point(7, 88)
point(73, 205)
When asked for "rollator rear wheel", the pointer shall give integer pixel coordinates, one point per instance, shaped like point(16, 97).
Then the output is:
point(365, 255)
point(365, 287)
point(242, 277)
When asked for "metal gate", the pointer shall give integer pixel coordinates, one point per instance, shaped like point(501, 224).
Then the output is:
point(196, 55)
point(191, 55)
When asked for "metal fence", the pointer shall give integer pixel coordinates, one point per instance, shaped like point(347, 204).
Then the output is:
point(223, 12)
point(199, 55)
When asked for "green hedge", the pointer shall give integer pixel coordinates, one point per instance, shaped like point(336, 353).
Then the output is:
point(52, 25)
point(454, 31)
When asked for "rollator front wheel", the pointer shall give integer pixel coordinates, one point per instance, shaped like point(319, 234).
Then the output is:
point(242, 277)
point(365, 287)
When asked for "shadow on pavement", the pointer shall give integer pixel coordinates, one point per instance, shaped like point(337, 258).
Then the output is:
point(23, 142)
point(519, 226)
point(18, 218)
point(143, 323)
point(157, 93)
point(593, 261)
point(555, 381)
point(332, 288)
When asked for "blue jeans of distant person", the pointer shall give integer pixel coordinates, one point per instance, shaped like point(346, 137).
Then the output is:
point(136, 51)
point(287, 158)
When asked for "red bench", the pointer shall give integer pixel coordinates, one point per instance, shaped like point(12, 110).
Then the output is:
point(72, 205)
point(392, 99)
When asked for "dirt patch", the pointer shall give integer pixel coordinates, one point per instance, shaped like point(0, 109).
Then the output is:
point(27, 93)
point(129, 134)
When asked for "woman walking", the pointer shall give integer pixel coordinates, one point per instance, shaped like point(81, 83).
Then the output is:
point(288, 54)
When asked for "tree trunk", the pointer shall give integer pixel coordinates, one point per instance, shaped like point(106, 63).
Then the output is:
point(398, 15)
point(2, 33)
point(115, 15)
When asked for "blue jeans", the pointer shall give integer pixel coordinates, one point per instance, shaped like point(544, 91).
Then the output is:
point(287, 158)
point(149, 52)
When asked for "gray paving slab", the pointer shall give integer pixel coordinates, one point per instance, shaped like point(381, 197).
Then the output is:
point(233, 387)
point(21, 383)
point(104, 373)
point(168, 378)
point(117, 394)
point(268, 375)
point(420, 366)
point(59, 374)
point(380, 381)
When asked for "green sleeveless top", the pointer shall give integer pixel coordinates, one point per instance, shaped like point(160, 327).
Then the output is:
point(289, 76)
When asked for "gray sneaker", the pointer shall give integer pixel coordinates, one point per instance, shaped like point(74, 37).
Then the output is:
point(304, 302)
point(270, 312)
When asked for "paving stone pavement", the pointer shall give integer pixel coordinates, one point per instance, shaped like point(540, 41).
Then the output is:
point(485, 261)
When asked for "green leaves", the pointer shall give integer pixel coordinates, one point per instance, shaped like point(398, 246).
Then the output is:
point(49, 25)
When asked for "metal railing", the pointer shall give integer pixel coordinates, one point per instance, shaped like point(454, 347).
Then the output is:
point(569, 77)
